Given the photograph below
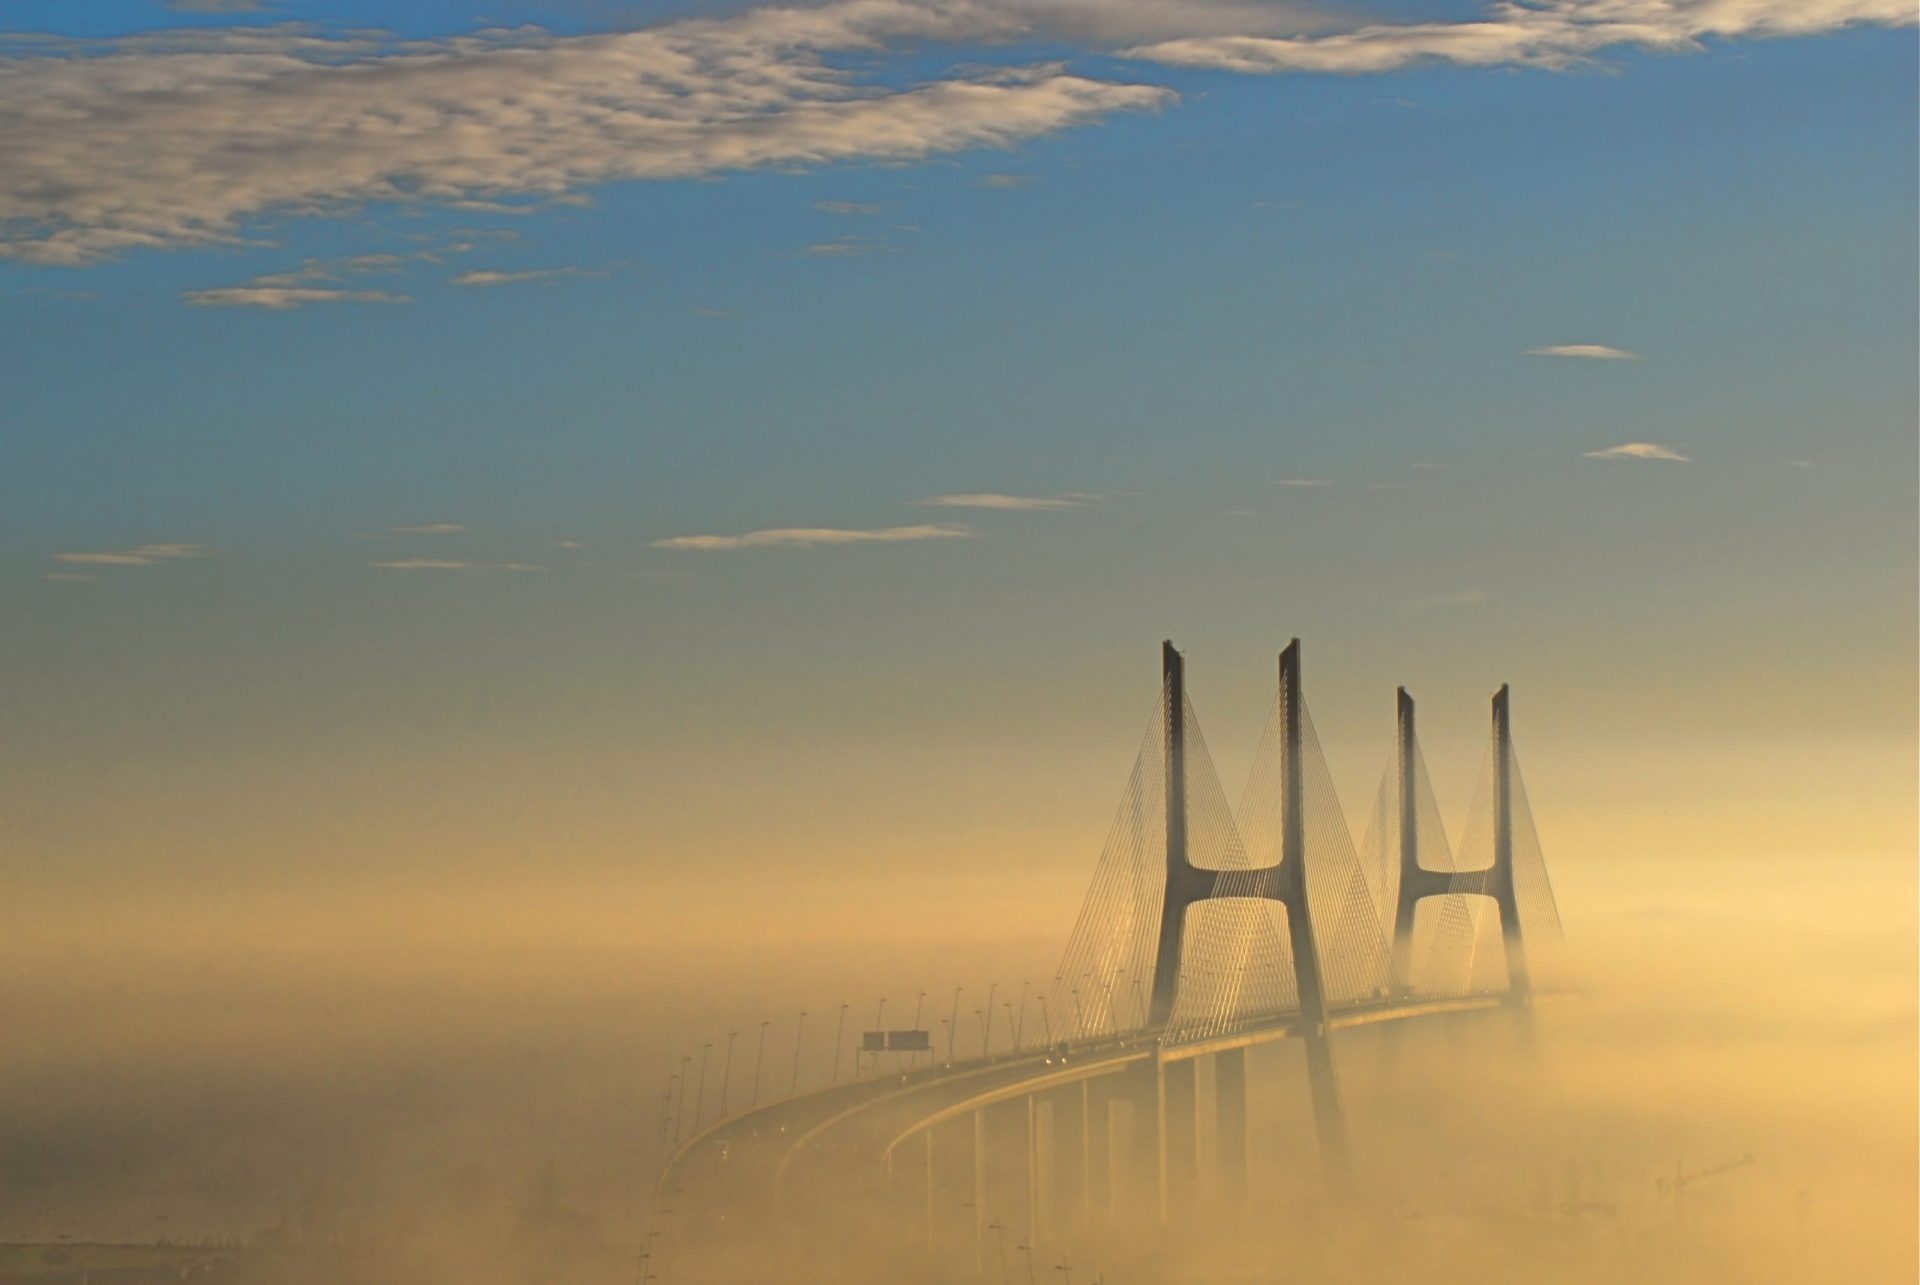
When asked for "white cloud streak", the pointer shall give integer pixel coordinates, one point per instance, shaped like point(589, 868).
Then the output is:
point(285, 298)
point(847, 247)
point(996, 500)
point(1551, 34)
point(429, 528)
point(452, 564)
point(185, 137)
point(1640, 451)
point(1591, 352)
point(483, 277)
point(816, 537)
point(143, 555)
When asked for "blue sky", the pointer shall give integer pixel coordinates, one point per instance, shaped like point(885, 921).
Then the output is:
point(1136, 291)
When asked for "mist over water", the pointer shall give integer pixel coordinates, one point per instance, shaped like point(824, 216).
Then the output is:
point(442, 1109)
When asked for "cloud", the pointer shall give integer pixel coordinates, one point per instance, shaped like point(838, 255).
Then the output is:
point(1005, 181)
point(995, 500)
point(452, 564)
point(1640, 451)
point(320, 280)
point(846, 207)
point(813, 537)
point(1593, 352)
point(143, 555)
point(219, 6)
point(1547, 33)
point(1302, 481)
point(184, 137)
point(847, 247)
point(70, 576)
point(429, 528)
point(488, 278)
point(284, 298)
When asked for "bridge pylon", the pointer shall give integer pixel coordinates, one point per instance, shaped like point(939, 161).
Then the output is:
point(1496, 881)
point(1285, 882)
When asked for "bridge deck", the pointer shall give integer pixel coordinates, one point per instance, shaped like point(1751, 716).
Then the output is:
point(805, 1162)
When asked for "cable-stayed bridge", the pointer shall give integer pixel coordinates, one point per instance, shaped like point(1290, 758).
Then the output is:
point(1208, 930)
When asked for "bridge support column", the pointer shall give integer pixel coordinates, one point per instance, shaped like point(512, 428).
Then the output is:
point(1230, 1131)
point(1068, 1118)
point(951, 1186)
point(981, 1218)
point(1007, 1163)
point(1137, 1200)
point(1043, 1168)
point(1101, 1124)
point(1179, 1140)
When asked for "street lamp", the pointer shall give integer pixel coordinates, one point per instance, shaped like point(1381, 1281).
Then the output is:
point(839, 1037)
point(759, 1059)
point(700, 1095)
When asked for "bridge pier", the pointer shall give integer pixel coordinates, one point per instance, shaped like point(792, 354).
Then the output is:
point(1101, 1188)
point(1068, 1113)
point(1230, 1132)
point(952, 1186)
point(1179, 1102)
point(1006, 1165)
point(1138, 1175)
point(1043, 1171)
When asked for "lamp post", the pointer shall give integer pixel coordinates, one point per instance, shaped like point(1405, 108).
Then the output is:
point(839, 1038)
point(700, 1095)
point(799, 1031)
point(759, 1060)
point(726, 1073)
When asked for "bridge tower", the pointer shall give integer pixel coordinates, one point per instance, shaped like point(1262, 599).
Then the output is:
point(1496, 881)
point(1284, 882)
